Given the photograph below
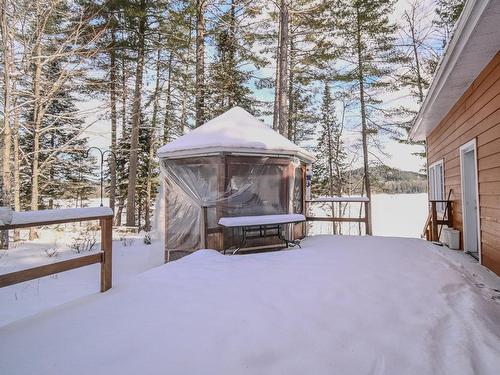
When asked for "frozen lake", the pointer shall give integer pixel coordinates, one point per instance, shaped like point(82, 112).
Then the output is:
point(399, 215)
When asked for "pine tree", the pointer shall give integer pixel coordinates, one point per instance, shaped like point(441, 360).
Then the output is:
point(143, 170)
point(331, 154)
point(310, 52)
point(368, 47)
point(448, 12)
point(178, 70)
point(138, 14)
point(230, 73)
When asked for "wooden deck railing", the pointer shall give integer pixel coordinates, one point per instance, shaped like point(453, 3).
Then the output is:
point(341, 219)
point(29, 219)
point(434, 224)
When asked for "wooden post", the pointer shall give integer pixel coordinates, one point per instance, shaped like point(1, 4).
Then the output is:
point(434, 224)
point(204, 226)
point(367, 219)
point(449, 212)
point(107, 249)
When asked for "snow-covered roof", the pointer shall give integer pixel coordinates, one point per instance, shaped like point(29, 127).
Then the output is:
point(475, 42)
point(235, 131)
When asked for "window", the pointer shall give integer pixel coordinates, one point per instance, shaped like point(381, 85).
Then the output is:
point(436, 184)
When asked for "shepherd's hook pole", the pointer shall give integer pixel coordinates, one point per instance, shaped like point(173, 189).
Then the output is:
point(102, 153)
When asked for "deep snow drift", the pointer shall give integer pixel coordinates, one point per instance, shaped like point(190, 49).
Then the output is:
point(341, 305)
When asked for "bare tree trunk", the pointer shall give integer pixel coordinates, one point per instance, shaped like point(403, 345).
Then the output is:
point(277, 89)
point(364, 126)
point(7, 137)
point(136, 116)
point(124, 94)
point(152, 143)
point(36, 132)
point(119, 212)
point(411, 23)
point(283, 70)
point(290, 125)
point(168, 102)
point(330, 170)
point(200, 62)
point(114, 119)
point(185, 96)
point(17, 165)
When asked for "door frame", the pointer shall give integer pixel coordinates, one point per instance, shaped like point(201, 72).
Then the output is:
point(467, 147)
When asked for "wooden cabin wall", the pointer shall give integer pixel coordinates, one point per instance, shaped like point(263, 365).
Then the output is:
point(476, 115)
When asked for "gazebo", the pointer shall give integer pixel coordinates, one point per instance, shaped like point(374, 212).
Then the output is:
point(233, 165)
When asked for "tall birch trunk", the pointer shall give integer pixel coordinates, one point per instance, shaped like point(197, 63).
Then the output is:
point(364, 126)
point(7, 135)
point(134, 143)
point(283, 70)
point(277, 88)
point(291, 124)
point(411, 24)
point(17, 165)
point(152, 143)
point(200, 62)
point(168, 102)
point(36, 127)
point(114, 119)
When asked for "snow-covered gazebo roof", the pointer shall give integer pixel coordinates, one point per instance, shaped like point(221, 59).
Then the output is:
point(235, 131)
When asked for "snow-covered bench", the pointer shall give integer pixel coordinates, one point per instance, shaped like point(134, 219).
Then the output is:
point(261, 225)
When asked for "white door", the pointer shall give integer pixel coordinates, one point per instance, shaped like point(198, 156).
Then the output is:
point(470, 199)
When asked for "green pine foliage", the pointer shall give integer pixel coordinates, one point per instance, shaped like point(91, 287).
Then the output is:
point(122, 170)
point(330, 169)
point(448, 12)
point(234, 62)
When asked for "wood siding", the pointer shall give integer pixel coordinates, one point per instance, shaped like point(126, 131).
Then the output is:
point(476, 115)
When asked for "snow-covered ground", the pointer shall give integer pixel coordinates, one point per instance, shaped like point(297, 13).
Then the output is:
point(341, 305)
point(130, 257)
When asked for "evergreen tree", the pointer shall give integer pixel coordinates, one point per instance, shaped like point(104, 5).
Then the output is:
point(178, 69)
point(370, 54)
point(232, 69)
point(310, 51)
point(331, 155)
point(448, 12)
point(143, 171)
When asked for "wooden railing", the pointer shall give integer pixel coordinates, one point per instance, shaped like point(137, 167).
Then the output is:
point(29, 219)
point(434, 224)
point(341, 219)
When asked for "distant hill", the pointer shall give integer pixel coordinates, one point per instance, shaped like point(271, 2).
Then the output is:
point(389, 180)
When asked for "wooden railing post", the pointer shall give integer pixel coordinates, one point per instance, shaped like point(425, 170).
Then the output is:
point(449, 213)
point(434, 223)
point(368, 224)
point(204, 226)
point(107, 249)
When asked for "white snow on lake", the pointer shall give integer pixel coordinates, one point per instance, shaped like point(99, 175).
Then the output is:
point(400, 215)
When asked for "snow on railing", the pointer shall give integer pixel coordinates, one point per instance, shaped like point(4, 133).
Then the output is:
point(339, 218)
point(27, 219)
